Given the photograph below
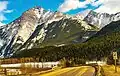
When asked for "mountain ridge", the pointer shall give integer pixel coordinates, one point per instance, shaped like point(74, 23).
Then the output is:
point(38, 28)
point(37, 25)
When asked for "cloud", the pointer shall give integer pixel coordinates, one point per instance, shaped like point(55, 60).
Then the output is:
point(2, 17)
point(109, 6)
point(8, 11)
point(3, 5)
point(68, 5)
point(106, 6)
point(97, 3)
point(1, 24)
point(3, 11)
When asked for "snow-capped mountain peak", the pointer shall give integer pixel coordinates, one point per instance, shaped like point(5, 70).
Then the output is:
point(101, 19)
point(39, 28)
point(83, 14)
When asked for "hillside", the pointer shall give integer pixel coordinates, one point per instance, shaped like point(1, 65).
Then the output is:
point(97, 48)
point(37, 28)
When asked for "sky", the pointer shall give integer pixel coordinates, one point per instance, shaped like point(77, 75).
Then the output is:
point(12, 9)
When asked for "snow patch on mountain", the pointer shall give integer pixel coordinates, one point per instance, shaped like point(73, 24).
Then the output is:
point(101, 19)
point(37, 25)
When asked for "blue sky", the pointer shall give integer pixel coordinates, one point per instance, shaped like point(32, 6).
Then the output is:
point(12, 9)
point(19, 6)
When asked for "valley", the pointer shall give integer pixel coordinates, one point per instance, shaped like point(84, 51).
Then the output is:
point(44, 42)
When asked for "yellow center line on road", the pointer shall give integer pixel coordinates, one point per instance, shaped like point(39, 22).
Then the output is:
point(57, 72)
point(82, 70)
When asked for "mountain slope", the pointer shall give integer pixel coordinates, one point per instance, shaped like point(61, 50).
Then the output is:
point(113, 27)
point(99, 47)
point(101, 19)
point(39, 28)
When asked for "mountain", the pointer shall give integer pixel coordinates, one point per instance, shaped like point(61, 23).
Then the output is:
point(38, 28)
point(108, 30)
point(101, 19)
point(98, 47)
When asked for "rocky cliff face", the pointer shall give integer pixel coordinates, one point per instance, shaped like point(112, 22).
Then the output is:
point(101, 19)
point(39, 28)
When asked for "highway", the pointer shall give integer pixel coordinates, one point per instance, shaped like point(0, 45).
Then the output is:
point(72, 71)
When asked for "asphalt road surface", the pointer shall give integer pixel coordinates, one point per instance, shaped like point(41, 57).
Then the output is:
point(73, 71)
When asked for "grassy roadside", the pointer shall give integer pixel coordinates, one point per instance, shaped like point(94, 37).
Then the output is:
point(107, 70)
